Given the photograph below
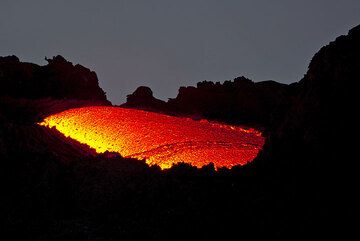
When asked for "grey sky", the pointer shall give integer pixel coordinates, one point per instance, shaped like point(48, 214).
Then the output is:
point(166, 44)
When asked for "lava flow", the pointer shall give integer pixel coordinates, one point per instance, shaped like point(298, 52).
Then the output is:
point(157, 138)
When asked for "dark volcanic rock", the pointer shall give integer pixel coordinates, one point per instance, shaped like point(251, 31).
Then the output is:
point(312, 152)
point(322, 116)
point(143, 98)
point(59, 79)
point(239, 102)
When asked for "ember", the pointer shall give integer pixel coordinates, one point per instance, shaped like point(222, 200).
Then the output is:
point(157, 138)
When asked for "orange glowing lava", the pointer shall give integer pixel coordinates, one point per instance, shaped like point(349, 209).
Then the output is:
point(157, 138)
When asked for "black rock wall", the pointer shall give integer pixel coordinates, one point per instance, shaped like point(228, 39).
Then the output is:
point(59, 79)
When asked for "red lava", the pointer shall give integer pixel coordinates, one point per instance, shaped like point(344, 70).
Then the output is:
point(157, 138)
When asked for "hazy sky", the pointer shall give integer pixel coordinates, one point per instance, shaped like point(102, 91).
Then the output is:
point(165, 44)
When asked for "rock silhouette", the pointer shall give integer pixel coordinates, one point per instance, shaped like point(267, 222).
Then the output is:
point(240, 101)
point(30, 92)
point(59, 79)
point(143, 98)
point(311, 152)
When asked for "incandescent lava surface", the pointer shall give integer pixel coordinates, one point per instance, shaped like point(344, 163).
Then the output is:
point(157, 138)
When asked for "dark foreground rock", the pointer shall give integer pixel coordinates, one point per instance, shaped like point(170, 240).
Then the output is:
point(312, 154)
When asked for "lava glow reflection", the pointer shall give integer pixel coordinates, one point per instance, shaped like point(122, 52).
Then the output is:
point(157, 138)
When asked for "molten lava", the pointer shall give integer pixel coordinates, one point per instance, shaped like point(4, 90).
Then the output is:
point(157, 138)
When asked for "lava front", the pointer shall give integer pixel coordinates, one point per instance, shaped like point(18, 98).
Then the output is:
point(157, 138)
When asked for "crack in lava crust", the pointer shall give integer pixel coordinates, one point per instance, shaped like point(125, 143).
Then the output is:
point(157, 138)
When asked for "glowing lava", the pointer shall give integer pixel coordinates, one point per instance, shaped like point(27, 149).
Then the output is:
point(157, 138)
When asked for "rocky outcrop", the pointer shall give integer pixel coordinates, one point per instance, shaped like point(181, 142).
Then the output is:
point(29, 92)
point(59, 79)
point(312, 152)
point(240, 101)
point(143, 99)
point(322, 116)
